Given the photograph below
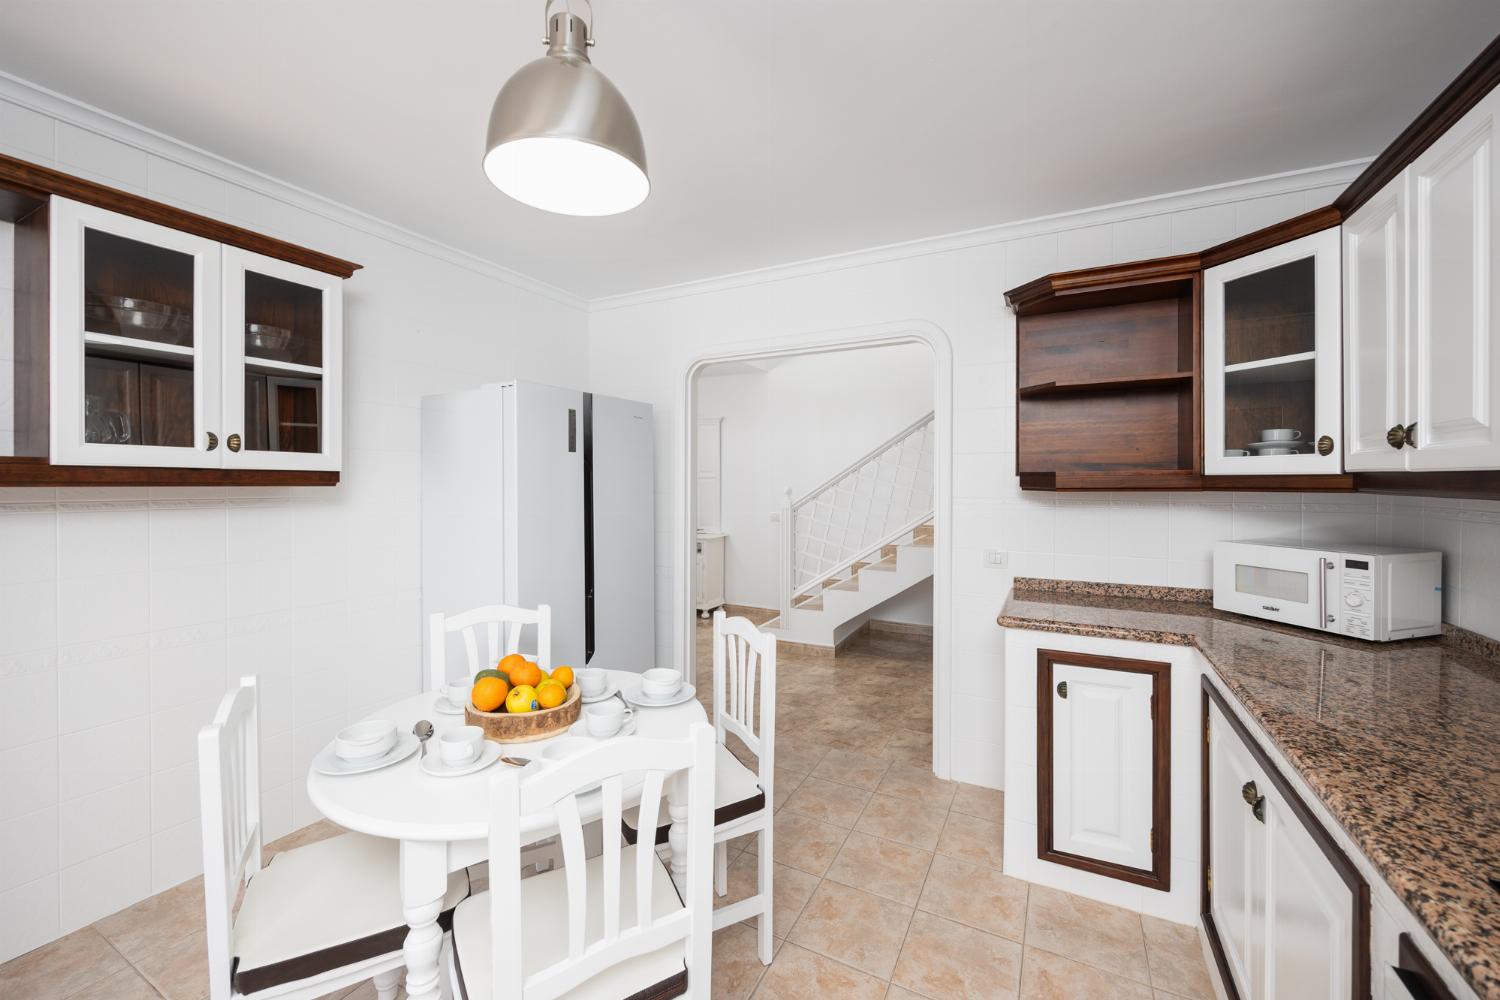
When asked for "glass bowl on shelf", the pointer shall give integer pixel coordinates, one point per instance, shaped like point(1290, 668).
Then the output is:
point(266, 341)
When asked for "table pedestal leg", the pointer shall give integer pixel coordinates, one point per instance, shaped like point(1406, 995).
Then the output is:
point(677, 836)
point(386, 984)
point(424, 880)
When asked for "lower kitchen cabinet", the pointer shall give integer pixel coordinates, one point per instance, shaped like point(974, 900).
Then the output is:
point(1104, 760)
point(1287, 912)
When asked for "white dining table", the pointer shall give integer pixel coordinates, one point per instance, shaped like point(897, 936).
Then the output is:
point(443, 823)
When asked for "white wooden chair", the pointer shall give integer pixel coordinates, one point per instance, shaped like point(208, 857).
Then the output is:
point(607, 928)
point(316, 918)
point(744, 705)
point(492, 617)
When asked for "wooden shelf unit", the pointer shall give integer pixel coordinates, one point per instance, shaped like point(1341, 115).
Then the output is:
point(1108, 377)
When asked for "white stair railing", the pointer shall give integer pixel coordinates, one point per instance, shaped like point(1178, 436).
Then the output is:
point(871, 502)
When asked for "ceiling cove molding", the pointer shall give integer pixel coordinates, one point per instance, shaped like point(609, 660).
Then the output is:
point(76, 113)
point(1216, 194)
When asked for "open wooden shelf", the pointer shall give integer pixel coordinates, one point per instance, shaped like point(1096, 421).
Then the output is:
point(1107, 384)
point(1114, 384)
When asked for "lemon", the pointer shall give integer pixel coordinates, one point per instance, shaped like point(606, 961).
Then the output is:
point(521, 699)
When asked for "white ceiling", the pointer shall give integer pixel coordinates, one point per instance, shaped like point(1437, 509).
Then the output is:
point(776, 130)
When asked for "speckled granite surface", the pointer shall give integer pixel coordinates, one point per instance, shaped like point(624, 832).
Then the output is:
point(1401, 741)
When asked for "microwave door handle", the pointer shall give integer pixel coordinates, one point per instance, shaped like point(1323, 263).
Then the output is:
point(1322, 593)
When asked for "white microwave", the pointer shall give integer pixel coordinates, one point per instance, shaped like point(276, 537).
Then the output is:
point(1375, 592)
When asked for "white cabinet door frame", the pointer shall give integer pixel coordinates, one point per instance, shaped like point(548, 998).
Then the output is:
point(331, 402)
point(69, 220)
point(1308, 856)
point(1454, 362)
point(1127, 835)
point(1323, 247)
point(1375, 330)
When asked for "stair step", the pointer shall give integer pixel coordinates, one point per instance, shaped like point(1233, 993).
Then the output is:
point(850, 584)
point(886, 551)
point(922, 531)
point(856, 567)
point(812, 603)
point(921, 543)
point(887, 565)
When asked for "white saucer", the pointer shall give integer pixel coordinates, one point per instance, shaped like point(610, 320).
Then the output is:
point(434, 764)
point(1263, 445)
point(328, 762)
point(610, 689)
point(446, 707)
point(685, 693)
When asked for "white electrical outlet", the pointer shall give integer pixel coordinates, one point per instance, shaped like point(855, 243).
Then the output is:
point(995, 559)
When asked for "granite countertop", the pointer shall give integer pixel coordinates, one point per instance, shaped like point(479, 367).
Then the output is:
point(1400, 740)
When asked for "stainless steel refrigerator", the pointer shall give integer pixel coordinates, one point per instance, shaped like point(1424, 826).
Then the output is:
point(533, 494)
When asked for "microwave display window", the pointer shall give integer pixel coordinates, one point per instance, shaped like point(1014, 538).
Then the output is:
point(1277, 584)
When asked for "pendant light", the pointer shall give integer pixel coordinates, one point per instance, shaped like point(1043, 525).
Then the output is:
point(562, 138)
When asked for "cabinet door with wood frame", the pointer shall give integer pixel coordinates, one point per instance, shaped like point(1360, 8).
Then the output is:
point(1287, 913)
point(1103, 759)
point(1272, 365)
point(134, 342)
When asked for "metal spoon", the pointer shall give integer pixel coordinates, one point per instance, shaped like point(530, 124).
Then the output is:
point(516, 761)
point(423, 732)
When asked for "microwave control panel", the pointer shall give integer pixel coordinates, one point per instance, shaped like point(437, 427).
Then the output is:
point(1357, 597)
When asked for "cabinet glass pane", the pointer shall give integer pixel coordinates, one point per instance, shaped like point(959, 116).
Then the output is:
point(1269, 340)
point(283, 365)
point(138, 342)
point(283, 413)
point(283, 321)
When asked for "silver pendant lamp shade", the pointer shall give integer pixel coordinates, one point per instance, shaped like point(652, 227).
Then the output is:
point(562, 138)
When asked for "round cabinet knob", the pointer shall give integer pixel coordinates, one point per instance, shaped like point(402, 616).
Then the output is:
point(1353, 600)
point(213, 441)
point(1396, 437)
point(233, 442)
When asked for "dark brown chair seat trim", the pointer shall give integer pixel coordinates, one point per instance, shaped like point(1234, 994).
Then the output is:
point(727, 813)
point(672, 986)
point(318, 962)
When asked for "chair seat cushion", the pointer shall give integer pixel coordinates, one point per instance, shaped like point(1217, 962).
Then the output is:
point(324, 906)
point(544, 935)
point(737, 793)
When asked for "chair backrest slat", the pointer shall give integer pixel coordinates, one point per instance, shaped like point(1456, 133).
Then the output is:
point(601, 774)
point(499, 621)
point(229, 795)
point(744, 664)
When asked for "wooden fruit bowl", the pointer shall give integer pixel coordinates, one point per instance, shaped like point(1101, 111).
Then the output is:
point(503, 727)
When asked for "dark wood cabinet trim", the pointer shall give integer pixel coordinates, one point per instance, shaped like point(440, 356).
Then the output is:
point(27, 181)
point(33, 333)
point(1481, 485)
point(1457, 99)
point(1359, 888)
point(1416, 972)
point(1306, 224)
point(1108, 285)
point(1160, 874)
point(39, 472)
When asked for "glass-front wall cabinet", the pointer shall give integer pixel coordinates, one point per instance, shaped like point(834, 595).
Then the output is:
point(172, 350)
point(134, 341)
point(281, 368)
point(1271, 360)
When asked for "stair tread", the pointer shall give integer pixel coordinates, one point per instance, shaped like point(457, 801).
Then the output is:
point(850, 584)
point(921, 543)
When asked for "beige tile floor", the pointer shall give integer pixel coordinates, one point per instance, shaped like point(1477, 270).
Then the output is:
point(888, 880)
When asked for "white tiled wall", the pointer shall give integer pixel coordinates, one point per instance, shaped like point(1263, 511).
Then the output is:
point(641, 346)
point(125, 614)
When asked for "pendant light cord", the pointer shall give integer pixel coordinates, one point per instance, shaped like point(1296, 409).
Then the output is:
point(568, 6)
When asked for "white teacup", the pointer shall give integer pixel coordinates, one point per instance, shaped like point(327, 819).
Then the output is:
point(591, 681)
point(605, 718)
point(1281, 434)
point(660, 682)
point(461, 745)
point(457, 693)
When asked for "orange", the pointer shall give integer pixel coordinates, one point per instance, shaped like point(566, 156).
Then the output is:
point(489, 693)
point(550, 694)
point(563, 676)
point(525, 672)
point(521, 699)
point(509, 663)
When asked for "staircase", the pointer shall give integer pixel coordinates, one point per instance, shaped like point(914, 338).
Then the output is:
point(857, 540)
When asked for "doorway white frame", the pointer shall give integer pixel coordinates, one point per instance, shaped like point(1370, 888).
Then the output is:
point(685, 499)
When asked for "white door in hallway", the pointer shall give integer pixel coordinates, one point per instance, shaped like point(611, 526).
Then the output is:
point(1102, 764)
